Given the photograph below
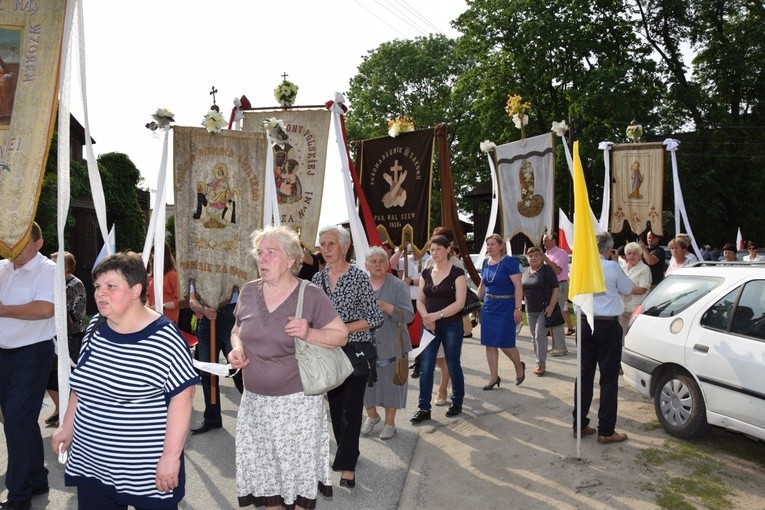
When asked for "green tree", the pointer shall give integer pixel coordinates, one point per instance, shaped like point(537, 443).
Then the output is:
point(580, 61)
point(47, 206)
point(416, 78)
point(121, 179)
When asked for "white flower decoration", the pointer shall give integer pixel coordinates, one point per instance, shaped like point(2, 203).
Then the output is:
point(559, 128)
point(214, 122)
point(276, 130)
point(488, 146)
point(395, 130)
point(517, 120)
point(162, 117)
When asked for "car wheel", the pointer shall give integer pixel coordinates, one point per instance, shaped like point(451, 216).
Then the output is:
point(680, 406)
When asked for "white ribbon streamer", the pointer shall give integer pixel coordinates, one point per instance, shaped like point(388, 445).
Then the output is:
point(270, 201)
point(606, 148)
point(672, 146)
point(492, 213)
point(359, 237)
point(218, 369)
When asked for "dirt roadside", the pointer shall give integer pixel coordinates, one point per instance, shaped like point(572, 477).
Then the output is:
point(513, 448)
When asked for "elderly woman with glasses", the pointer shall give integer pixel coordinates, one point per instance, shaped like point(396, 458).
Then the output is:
point(640, 275)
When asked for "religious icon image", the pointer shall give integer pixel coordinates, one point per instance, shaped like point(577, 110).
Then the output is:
point(216, 199)
point(288, 187)
point(636, 179)
point(530, 204)
point(10, 42)
point(396, 196)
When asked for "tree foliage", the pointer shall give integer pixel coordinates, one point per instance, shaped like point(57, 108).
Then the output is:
point(598, 65)
point(120, 179)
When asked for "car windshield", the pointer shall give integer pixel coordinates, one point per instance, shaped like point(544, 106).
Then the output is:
point(677, 292)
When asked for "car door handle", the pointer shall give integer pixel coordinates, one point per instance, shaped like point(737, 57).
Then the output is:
point(702, 348)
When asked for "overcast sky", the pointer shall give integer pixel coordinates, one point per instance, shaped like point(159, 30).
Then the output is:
point(142, 55)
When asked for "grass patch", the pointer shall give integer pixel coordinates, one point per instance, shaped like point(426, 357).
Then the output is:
point(699, 486)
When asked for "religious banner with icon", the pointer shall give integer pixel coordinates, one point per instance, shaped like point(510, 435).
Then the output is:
point(395, 174)
point(218, 204)
point(30, 51)
point(637, 171)
point(526, 171)
point(298, 166)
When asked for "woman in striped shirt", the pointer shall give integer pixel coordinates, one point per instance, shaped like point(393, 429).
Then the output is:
point(131, 401)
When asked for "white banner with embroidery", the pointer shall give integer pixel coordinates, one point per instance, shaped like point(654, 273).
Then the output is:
point(218, 204)
point(526, 170)
point(298, 166)
point(638, 186)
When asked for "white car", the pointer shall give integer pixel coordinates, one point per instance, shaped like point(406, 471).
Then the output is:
point(696, 346)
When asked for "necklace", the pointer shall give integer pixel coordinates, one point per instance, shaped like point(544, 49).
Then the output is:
point(490, 277)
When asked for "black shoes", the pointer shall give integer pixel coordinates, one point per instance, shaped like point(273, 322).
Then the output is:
point(348, 482)
point(16, 504)
point(491, 386)
point(420, 416)
point(206, 427)
point(454, 410)
point(519, 380)
point(42, 489)
point(416, 371)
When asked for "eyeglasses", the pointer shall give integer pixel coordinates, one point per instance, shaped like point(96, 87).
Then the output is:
point(752, 247)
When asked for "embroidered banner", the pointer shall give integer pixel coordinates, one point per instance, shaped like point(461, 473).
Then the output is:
point(30, 51)
point(298, 166)
point(526, 170)
point(218, 204)
point(638, 186)
point(395, 174)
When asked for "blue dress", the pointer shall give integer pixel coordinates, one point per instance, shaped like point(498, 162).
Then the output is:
point(497, 321)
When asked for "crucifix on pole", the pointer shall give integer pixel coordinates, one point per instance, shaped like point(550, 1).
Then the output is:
point(284, 76)
point(214, 106)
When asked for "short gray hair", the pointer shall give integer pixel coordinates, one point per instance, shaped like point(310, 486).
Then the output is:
point(343, 236)
point(605, 241)
point(633, 247)
point(287, 238)
point(376, 250)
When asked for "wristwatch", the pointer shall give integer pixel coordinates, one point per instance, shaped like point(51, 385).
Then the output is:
point(441, 314)
point(518, 309)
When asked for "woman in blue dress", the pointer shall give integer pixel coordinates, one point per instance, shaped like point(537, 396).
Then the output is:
point(502, 296)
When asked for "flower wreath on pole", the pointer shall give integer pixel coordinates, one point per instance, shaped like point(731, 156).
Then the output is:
point(285, 93)
point(516, 109)
point(401, 124)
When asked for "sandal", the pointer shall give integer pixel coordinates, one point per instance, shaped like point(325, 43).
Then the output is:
point(570, 331)
point(539, 371)
point(53, 418)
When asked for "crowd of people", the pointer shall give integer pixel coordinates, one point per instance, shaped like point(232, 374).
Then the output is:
point(124, 429)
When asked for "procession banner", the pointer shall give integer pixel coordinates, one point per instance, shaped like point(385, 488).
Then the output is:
point(395, 174)
point(298, 166)
point(638, 186)
point(30, 52)
point(526, 171)
point(218, 204)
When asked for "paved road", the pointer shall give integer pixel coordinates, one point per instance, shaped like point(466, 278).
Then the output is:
point(511, 448)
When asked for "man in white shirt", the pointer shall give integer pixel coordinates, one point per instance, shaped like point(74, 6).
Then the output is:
point(602, 348)
point(27, 329)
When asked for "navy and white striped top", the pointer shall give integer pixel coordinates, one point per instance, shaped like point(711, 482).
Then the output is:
point(124, 383)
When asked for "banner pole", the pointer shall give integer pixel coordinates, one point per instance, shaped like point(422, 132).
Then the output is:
point(213, 359)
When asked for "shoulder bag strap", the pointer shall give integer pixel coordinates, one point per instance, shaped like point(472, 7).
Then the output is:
point(301, 292)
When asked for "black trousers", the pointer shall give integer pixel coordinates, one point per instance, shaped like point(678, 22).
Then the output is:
point(346, 403)
point(601, 349)
point(224, 322)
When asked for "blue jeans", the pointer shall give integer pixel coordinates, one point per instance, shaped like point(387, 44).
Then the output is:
point(23, 377)
point(450, 335)
point(224, 323)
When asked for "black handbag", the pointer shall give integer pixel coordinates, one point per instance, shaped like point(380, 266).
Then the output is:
point(472, 303)
point(555, 319)
point(363, 357)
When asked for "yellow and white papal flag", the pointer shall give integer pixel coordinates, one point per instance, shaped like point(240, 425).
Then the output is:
point(586, 274)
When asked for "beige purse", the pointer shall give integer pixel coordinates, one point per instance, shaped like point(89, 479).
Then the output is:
point(321, 369)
